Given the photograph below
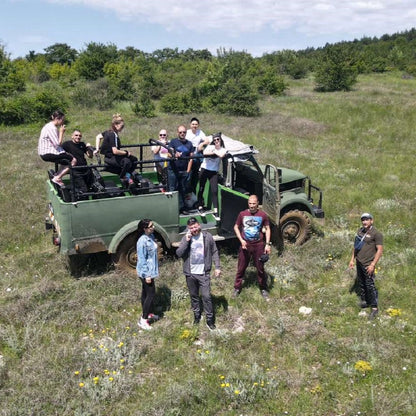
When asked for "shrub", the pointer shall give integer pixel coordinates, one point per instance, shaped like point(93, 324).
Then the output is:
point(92, 94)
point(27, 109)
point(336, 71)
point(236, 98)
point(143, 106)
point(179, 103)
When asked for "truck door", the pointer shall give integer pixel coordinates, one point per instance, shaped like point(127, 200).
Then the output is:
point(271, 194)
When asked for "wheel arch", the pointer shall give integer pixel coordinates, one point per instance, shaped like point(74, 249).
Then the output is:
point(131, 228)
point(296, 206)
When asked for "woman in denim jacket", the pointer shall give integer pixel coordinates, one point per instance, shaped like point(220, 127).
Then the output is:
point(147, 269)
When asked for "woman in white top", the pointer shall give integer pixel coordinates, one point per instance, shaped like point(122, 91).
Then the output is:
point(210, 166)
point(50, 146)
point(198, 139)
point(161, 155)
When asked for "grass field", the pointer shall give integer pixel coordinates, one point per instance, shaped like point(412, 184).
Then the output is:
point(72, 346)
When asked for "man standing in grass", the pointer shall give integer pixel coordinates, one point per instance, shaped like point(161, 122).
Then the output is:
point(198, 250)
point(368, 248)
point(251, 226)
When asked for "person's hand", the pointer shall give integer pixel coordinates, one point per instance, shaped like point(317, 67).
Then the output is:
point(188, 236)
point(267, 249)
point(244, 245)
point(351, 265)
point(217, 272)
point(370, 268)
point(148, 280)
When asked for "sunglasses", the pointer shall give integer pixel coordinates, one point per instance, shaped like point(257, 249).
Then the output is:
point(163, 135)
point(181, 132)
point(151, 226)
point(216, 140)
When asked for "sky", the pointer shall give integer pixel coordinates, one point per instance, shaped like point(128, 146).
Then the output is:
point(253, 26)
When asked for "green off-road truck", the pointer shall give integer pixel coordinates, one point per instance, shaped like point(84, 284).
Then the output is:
point(105, 218)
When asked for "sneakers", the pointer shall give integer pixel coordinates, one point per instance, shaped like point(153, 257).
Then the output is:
point(58, 181)
point(265, 295)
point(216, 217)
point(144, 324)
point(373, 314)
point(236, 293)
point(211, 326)
point(152, 317)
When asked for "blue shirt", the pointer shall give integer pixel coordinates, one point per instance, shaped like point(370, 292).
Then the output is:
point(147, 261)
point(186, 148)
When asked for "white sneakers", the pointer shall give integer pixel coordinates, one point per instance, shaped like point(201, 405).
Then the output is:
point(143, 324)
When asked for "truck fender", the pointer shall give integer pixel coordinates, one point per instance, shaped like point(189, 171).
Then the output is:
point(130, 228)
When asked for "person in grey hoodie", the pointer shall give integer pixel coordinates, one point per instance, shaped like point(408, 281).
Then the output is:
point(198, 250)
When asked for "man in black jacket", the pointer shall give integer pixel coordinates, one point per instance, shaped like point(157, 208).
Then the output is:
point(78, 149)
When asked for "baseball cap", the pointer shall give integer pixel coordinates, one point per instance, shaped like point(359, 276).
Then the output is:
point(366, 215)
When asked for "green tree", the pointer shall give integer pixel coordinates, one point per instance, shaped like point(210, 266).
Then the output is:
point(336, 71)
point(60, 53)
point(91, 62)
point(11, 80)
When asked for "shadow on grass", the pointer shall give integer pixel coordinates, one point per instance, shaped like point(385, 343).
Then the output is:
point(163, 300)
point(83, 265)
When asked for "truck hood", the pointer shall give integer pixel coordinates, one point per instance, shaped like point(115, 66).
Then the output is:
point(241, 151)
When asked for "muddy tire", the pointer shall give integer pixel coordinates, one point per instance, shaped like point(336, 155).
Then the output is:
point(125, 258)
point(296, 227)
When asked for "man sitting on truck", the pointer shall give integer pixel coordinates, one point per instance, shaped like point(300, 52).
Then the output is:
point(83, 178)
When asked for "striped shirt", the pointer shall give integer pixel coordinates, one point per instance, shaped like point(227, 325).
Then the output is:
point(49, 140)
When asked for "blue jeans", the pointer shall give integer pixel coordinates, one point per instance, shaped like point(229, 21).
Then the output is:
point(178, 181)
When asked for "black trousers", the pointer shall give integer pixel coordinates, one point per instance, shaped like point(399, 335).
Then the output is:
point(368, 291)
point(148, 295)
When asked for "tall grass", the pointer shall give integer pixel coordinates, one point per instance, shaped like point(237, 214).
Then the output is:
point(72, 347)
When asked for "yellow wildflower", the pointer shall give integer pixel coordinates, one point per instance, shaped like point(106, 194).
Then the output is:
point(394, 312)
point(363, 366)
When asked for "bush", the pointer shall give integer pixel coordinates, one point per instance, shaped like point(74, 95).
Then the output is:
point(27, 109)
point(336, 72)
point(236, 98)
point(179, 103)
point(93, 94)
point(271, 84)
point(143, 106)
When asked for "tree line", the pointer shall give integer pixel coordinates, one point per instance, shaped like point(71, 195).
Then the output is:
point(184, 81)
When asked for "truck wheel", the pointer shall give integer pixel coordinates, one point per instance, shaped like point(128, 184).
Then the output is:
point(296, 227)
point(126, 255)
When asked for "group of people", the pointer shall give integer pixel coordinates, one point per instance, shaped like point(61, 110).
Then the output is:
point(52, 148)
point(197, 248)
point(190, 158)
point(180, 163)
point(199, 253)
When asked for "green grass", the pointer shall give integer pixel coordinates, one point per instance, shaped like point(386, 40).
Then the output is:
point(265, 358)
